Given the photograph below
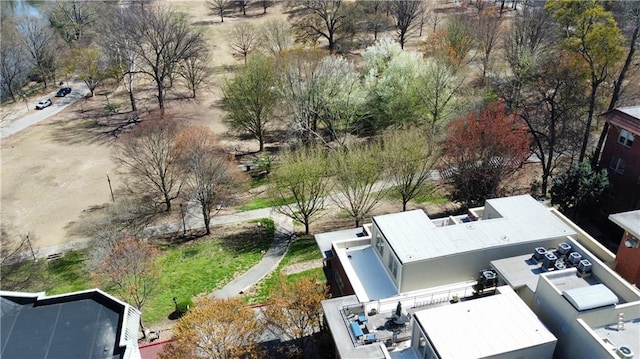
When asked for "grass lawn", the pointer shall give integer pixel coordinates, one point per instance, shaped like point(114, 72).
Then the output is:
point(66, 274)
point(202, 266)
point(193, 268)
point(301, 250)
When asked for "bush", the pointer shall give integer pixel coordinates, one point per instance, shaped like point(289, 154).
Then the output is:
point(183, 306)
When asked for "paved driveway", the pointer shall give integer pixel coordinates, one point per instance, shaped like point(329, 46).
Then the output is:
point(33, 116)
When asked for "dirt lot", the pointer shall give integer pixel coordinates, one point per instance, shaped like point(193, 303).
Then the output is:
point(54, 170)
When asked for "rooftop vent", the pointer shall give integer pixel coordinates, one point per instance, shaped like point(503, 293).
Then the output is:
point(539, 252)
point(549, 260)
point(575, 258)
point(584, 266)
point(559, 265)
point(624, 352)
point(564, 248)
point(488, 278)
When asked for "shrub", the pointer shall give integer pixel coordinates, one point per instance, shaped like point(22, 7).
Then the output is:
point(184, 305)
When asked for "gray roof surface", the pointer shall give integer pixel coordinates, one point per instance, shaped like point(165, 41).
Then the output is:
point(414, 237)
point(81, 326)
point(633, 111)
point(484, 327)
point(324, 240)
point(627, 337)
point(629, 221)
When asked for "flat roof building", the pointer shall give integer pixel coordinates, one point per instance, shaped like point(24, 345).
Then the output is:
point(406, 282)
point(497, 326)
point(88, 324)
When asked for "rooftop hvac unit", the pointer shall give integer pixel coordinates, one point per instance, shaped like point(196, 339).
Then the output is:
point(624, 352)
point(584, 266)
point(559, 265)
point(564, 248)
point(549, 260)
point(539, 252)
point(575, 258)
point(488, 278)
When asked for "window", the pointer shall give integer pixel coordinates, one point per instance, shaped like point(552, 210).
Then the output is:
point(380, 245)
point(422, 344)
point(393, 266)
point(617, 164)
point(626, 138)
point(339, 282)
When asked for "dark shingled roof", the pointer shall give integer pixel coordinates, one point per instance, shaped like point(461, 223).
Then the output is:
point(83, 325)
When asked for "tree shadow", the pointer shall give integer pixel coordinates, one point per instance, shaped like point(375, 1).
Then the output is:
point(175, 315)
point(93, 127)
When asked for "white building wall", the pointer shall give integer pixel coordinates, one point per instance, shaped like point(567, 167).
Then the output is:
point(461, 267)
point(561, 318)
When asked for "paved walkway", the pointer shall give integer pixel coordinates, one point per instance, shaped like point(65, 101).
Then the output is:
point(270, 261)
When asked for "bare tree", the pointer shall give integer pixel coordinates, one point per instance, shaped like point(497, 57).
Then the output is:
point(376, 15)
point(164, 39)
point(298, 84)
point(209, 176)
point(243, 40)
point(121, 49)
point(73, 19)
point(150, 155)
point(407, 14)
point(219, 7)
point(17, 260)
point(275, 37)
point(242, 5)
point(526, 46)
point(195, 71)
point(266, 4)
point(13, 61)
point(106, 226)
point(132, 269)
point(630, 24)
point(313, 19)
point(487, 34)
point(40, 42)
point(553, 105)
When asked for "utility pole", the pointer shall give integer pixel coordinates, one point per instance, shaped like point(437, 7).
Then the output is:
point(110, 188)
point(184, 226)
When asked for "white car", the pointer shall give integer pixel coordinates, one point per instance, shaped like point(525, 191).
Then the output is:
point(43, 104)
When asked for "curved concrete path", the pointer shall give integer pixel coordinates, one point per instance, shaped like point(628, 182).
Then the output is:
point(270, 261)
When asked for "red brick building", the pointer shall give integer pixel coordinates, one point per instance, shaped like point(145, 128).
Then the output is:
point(621, 157)
point(628, 255)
